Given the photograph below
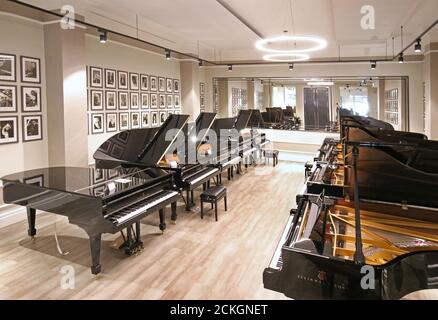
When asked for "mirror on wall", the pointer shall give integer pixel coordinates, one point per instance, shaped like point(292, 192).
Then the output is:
point(312, 103)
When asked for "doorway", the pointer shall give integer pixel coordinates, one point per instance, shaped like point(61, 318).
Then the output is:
point(316, 108)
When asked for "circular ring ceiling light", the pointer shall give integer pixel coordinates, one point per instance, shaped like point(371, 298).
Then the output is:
point(286, 57)
point(319, 44)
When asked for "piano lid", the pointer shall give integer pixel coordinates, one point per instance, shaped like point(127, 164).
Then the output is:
point(243, 120)
point(204, 122)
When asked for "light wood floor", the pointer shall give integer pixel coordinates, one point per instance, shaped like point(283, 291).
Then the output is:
point(194, 259)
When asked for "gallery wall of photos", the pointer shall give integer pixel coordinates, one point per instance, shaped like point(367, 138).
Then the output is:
point(122, 100)
point(21, 91)
point(391, 106)
point(202, 96)
point(239, 100)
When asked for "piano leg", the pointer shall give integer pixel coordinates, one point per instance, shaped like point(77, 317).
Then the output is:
point(95, 241)
point(188, 200)
point(192, 197)
point(162, 219)
point(174, 216)
point(31, 216)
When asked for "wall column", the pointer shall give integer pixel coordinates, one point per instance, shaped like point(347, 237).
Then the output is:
point(189, 71)
point(431, 90)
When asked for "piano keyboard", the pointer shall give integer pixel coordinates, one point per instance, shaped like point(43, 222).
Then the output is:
point(141, 207)
point(232, 162)
point(277, 261)
point(205, 175)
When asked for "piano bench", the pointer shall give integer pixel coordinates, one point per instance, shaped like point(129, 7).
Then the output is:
point(212, 196)
point(271, 154)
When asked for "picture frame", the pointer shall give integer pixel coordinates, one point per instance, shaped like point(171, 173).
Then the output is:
point(144, 82)
point(8, 67)
point(135, 103)
point(154, 101)
point(163, 117)
point(154, 119)
point(123, 121)
point(122, 79)
point(176, 101)
point(162, 101)
point(161, 84)
point(95, 77)
point(96, 100)
point(135, 120)
point(111, 100)
point(169, 101)
point(9, 130)
point(30, 70)
point(98, 175)
point(153, 83)
point(169, 85)
point(202, 102)
point(123, 100)
point(134, 81)
point(202, 88)
point(31, 99)
point(145, 119)
point(8, 98)
point(110, 79)
point(111, 122)
point(176, 85)
point(97, 123)
point(32, 128)
point(145, 100)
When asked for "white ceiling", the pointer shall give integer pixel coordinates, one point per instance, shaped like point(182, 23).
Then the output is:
point(187, 25)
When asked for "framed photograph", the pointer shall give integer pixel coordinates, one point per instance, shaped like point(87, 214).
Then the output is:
point(154, 101)
point(202, 88)
point(111, 100)
point(111, 122)
point(145, 120)
point(169, 101)
point(96, 99)
point(36, 180)
point(134, 81)
point(144, 82)
point(176, 85)
point(123, 121)
point(169, 85)
point(162, 101)
point(135, 104)
point(161, 84)
point(98, 175)
point(177, 112)
point(30, 70)
point(31, 99)
point(32, 128)
point(97, 123)
point(96, 77)
point(163, 117)
point(135, 120)
point(123, 80)
point(8, 98)
point(123, 101)
point(145, 100)
point(177, 102)
point(110, 79)
point(8, 130)
point(202, 102)
point(169, 112)
point(8, 67)
point(153, 83)
point(154, 119)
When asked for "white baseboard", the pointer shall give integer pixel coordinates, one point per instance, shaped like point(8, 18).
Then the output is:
point(10, 214)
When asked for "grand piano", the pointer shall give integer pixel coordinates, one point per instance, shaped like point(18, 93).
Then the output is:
point(376, 240)
point(102, 200)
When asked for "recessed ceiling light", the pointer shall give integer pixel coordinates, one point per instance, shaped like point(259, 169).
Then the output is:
point(319, 44)
point(286, 57)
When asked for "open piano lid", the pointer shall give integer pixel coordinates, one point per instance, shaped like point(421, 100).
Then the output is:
point(204, 122)
point(140, 146)
point(243, 120)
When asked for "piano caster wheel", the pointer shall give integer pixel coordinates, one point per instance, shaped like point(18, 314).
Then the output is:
point(33, 238)
point(174, 222)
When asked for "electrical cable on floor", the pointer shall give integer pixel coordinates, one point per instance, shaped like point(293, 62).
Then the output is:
point(58, 246)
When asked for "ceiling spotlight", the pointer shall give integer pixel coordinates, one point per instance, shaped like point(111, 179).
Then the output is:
point(200, 63)
point(319, 44)
point(103, 36)
point(291, 66)
point(373, 65)
point(401, 58)
point(418, 46)
point(230, 67)
point(167, 54)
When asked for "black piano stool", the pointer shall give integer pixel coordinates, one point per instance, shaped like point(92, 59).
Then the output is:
point(212, 196)
point(271, 154)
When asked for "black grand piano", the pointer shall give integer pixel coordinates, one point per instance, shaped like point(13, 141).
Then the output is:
point(377, 240)
point(104, 200)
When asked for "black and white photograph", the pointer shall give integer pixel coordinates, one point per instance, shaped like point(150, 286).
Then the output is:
point(161, 84)
point(135, 103)
point(135, 120)
point(96, 100)
point(123, 121)
point(123, 100)
point(176, 101)
point(8, 67)
point(110, 79)
point(163, 117)
point(162, 101)
point(145, 100)
point(8, 130)
point(154, 101)
point(202, 88)
point(31, 99)
point(169, 85)
point(111, 122)
point(97, 123)
point(153, 83)
point(123, 80)
point(154, 119)
point(170, 101)
point(30, 70)
point(8, 99)
point(98, 175)
point(144, 82)
point(176, 85)
point(111, 100)
point(96, 77)
point(145, 121)
point(202, 102)
point(32, 128)
point(134, 81)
